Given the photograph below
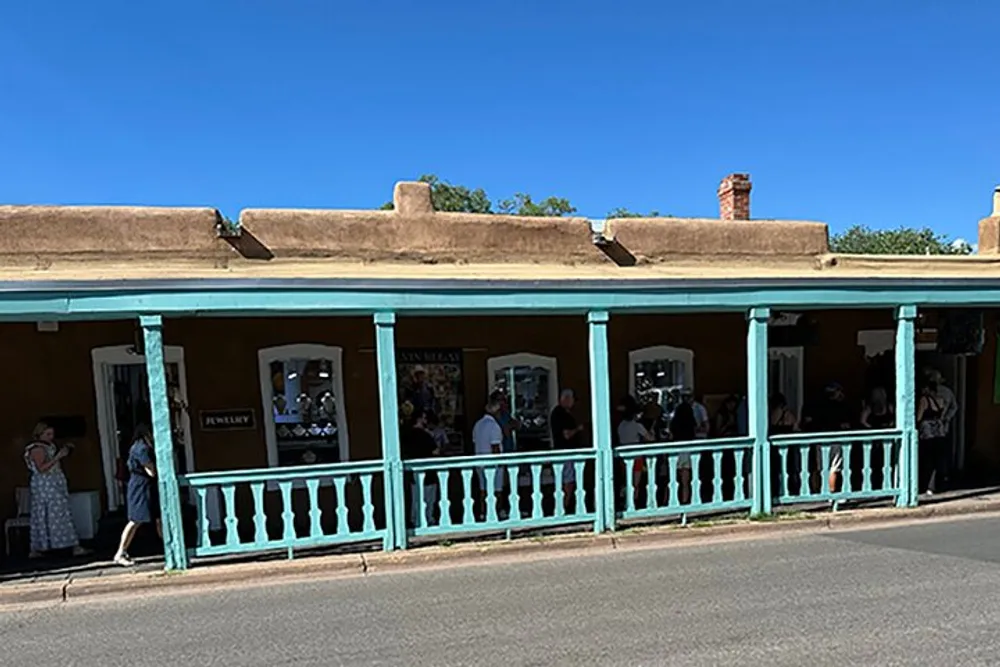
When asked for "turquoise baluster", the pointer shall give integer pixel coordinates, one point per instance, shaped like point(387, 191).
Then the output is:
point(717, 477)
point(805, 487)
point(536, 490)
point(315, 522)
point(369, 506)
point(846, 469)
point(866, 473)
point(491, 493)
point(421, 510)
point(674, 486)
point(629, 483)
point(259, 517)
point(783, 474)
point(581, 493)
point(739, 492)
point(513, 483)
point(232, 527)
point(468, 502)
point(287, 512)
point(445, 499)
point(560, 509)
point(343, 519)
point(204, 537)
point(695, 478)
point(650, 482)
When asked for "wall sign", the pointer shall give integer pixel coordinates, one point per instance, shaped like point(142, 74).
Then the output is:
point(239, 419)
point(442, 392)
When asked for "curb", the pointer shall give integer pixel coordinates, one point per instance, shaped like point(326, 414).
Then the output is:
point(351, 565)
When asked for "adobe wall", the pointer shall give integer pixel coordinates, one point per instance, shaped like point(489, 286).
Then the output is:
point(40, 236)
point(661, 239)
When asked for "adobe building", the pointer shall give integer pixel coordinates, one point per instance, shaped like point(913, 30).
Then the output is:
point(269, 340)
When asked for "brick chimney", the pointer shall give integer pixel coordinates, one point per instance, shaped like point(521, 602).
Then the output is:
point(734, 197)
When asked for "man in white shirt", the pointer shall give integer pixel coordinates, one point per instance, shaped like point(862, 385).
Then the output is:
point(487, 438)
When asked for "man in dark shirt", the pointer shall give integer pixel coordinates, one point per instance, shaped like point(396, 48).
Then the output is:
point(418, 443)
point(566, 434)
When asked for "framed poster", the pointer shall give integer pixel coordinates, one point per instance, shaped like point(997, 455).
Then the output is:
point(431, 378)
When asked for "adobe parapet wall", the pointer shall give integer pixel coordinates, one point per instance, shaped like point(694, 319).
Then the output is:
point(411, 233)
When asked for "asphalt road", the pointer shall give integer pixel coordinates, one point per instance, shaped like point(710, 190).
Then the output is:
point(927, 594)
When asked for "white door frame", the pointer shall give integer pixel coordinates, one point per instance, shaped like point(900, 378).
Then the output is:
point(126, 355)
point(798, 354)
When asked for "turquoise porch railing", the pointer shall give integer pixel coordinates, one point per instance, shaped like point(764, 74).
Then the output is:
point(868, 462)
point(499, 492)
point(682, 478)
point(266, 509)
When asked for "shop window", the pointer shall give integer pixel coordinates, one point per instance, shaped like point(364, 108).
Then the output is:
point(531, 383)
point(302, 388)
point(657, 375)
point(785, 376)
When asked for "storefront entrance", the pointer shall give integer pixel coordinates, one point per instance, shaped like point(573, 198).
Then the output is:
point(122, 394)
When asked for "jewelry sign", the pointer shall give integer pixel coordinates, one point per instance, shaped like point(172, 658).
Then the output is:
point(241, 419)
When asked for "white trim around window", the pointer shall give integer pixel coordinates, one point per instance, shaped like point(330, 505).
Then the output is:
point(550, 364)
point(661, 353)
point(269, 355)
point(795, 357)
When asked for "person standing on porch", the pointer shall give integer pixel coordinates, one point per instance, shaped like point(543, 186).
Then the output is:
point(418, 443)
point(567, 433)
point(949, 408)
point(51, 519)
point(508, 423)
point(487, 438)
point(141, 496)
point(932, 433)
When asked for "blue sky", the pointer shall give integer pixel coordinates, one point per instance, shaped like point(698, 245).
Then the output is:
point(879, 112)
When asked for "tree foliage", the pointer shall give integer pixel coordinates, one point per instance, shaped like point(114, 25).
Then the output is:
point(446, 196)
point(861, 240)
point(626, 213)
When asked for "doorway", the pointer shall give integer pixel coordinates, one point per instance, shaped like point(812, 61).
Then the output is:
point(953, 368)
point(122, 391)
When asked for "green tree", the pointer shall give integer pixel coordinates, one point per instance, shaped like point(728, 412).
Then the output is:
point(522, 204)
point(861, 240)
point(621, 212)
point(446, 196)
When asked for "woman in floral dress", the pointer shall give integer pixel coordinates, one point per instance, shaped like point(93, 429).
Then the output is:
point(51, 520)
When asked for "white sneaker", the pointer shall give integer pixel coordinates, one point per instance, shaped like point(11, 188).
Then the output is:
point(124, 560)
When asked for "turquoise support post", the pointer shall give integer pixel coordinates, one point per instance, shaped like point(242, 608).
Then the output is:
point(175, 554)
point(600, 409)
point(757, 410)
point(395, 493)
point(906, 404)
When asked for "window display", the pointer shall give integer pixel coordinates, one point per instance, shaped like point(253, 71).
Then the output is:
point(304, 413)
point(532, 388)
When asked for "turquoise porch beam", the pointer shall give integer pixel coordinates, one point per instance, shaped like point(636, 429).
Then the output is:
point(600, 410)
point(92, 302)
point(906, 404)
point(395, 494)
point(757, 410)
point(175, 554)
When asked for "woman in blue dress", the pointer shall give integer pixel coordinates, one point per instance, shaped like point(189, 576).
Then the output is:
point(142, 500)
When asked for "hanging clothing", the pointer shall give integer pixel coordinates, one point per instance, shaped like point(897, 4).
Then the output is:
point(51, 519)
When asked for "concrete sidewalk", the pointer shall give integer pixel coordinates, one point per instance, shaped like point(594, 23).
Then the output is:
point(103, 579)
